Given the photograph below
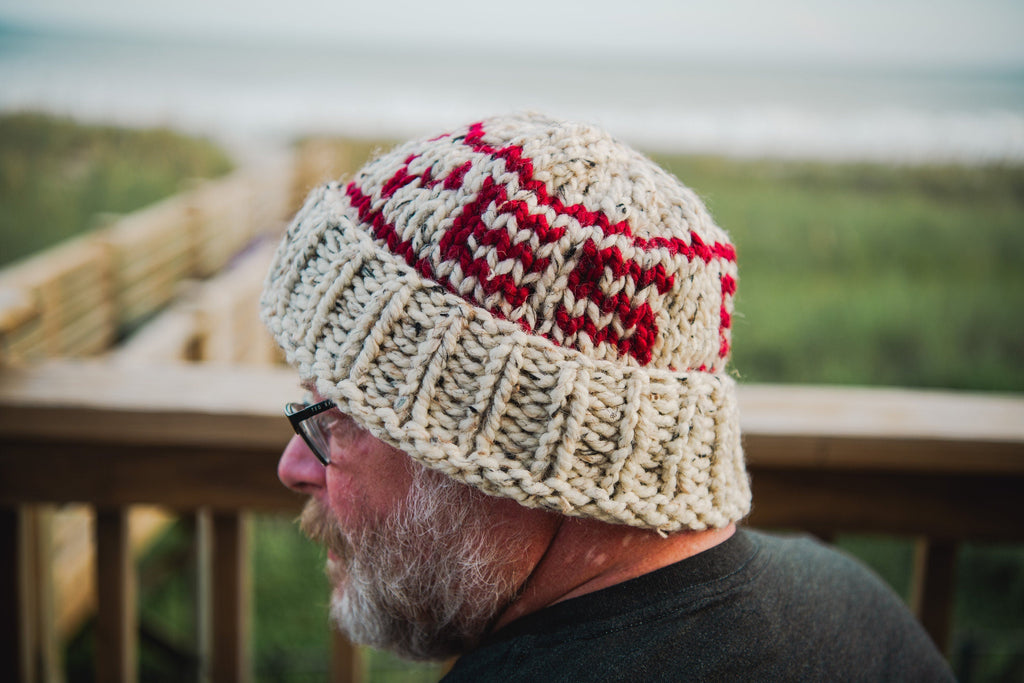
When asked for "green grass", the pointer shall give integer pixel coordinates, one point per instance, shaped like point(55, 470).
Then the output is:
point(869, 274)
point(58, 177)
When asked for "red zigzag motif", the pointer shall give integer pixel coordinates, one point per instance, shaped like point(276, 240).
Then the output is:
point(582, 280)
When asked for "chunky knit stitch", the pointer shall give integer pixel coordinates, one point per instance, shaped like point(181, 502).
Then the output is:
point(532, 308)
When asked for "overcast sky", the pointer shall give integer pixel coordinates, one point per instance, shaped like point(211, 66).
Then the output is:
point(905, 32)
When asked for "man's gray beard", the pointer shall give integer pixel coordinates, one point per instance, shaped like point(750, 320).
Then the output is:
point(428, 581)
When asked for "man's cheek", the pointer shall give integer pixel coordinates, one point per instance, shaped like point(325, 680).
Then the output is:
point(347, 503)
point(357, 505)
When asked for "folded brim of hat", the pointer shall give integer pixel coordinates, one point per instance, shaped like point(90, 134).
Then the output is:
point(477, 397)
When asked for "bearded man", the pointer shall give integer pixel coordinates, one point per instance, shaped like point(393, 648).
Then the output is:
point(521, 444)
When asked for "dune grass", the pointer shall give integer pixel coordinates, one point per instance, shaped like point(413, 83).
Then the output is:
point(869, 274)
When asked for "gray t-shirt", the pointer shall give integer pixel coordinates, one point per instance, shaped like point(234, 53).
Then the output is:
point(754, 608)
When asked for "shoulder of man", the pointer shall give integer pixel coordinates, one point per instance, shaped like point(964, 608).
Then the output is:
point(758, 607)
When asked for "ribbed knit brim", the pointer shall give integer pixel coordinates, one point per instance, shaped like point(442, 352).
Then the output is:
point(561, 342)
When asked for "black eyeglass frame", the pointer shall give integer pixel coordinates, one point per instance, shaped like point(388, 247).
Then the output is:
point(297, 415)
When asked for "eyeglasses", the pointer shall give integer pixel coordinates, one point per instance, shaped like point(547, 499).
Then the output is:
point(311, 422)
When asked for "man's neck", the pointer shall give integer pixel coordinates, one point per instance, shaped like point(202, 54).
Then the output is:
point(585, 555)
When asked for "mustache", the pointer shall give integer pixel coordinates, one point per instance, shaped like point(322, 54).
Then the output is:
point(318, 524)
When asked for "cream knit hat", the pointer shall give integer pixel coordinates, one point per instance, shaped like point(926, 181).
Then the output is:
point(532, 308)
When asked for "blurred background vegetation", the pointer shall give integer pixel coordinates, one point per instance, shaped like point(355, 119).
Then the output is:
point(59, 178)
point(869, 274)
point(850, 274)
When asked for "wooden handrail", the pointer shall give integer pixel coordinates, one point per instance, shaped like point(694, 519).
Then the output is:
point(942, 466)
point(81, 400)
point(884, 429)
point(77, 297)
point(220, 420)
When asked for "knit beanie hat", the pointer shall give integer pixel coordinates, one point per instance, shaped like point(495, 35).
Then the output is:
point(532, 308)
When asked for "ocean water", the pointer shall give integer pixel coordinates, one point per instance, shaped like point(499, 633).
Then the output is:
point(252, 93)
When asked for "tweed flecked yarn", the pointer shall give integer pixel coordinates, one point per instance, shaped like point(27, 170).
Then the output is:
point(532, 308)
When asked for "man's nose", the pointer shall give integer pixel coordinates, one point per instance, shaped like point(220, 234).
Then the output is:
point(299, 469)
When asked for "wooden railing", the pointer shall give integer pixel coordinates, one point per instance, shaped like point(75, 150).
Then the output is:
point(204, 440)
point(80, 296)
point(175, 281)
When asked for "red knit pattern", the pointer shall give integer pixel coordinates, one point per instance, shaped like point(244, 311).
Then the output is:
point(639, 321)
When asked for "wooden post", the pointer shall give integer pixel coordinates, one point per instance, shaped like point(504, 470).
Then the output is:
point(933, 588)
point(117, 618)
point(346, 663)
point(202, 538)
point(230, 606)
point(17, 628)
point(48, 651)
